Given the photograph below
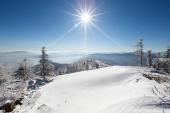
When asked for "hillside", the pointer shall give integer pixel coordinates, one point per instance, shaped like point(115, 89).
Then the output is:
point(117, 89)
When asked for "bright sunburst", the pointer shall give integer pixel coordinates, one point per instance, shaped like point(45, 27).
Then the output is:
point(85, 15)
point(85, 18)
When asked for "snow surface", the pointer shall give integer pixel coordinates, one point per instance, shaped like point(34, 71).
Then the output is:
point(116, 89)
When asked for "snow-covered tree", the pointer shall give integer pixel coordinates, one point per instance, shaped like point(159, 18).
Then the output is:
point(139, 51)
point(168, 67)
point(157, 62)
point(87, 65)
point(167, 54)
point(97, 65)
point(23, 71)
point(1, 76)
point(5, 73)
point(10, 87)
point(149, 58)
point(46, 68)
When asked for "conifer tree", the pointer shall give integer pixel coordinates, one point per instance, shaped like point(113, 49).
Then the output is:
point(22, 72)
point(46, 69)
point(157, 60)
point(167, 55)
point(150, 59)
point(139, 51)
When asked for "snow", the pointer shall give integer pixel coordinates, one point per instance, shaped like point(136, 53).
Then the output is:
point(164, 59)
point(116, 89)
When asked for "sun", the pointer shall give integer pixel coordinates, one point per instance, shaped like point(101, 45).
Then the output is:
point(85, 18)
point(85, 15)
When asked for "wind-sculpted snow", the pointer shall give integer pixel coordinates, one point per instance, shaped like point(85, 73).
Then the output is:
point(114, 89)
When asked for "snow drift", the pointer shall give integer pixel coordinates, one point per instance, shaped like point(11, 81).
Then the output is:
point(117, 89)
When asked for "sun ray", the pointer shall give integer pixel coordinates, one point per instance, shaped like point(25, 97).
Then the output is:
point(64, 35)
point(98, 14)
point(72, 14)
point(106, 35)
point(85, 39)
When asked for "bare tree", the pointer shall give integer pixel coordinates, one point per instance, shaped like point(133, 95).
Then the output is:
point(46, 69)
point(139, 51)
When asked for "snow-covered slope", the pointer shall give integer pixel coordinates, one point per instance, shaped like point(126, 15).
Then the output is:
point(117, 89)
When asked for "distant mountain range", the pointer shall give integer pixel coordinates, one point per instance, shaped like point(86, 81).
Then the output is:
point(16, 57)
point(124, 59)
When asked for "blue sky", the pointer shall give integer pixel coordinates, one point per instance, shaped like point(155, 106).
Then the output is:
point(31, 24)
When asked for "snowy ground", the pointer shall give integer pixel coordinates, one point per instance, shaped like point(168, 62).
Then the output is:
point(116, 89)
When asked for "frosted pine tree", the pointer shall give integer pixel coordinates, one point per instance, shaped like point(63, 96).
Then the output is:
point(167, 55)
point(23, 72)
point(10, 87)
point(18, 84)
point(150, 59)
point(139, 51)
point(157, 62)
point(2, 78)
point(46, 68)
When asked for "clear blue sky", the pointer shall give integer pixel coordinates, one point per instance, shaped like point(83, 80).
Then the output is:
point(31, 24)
